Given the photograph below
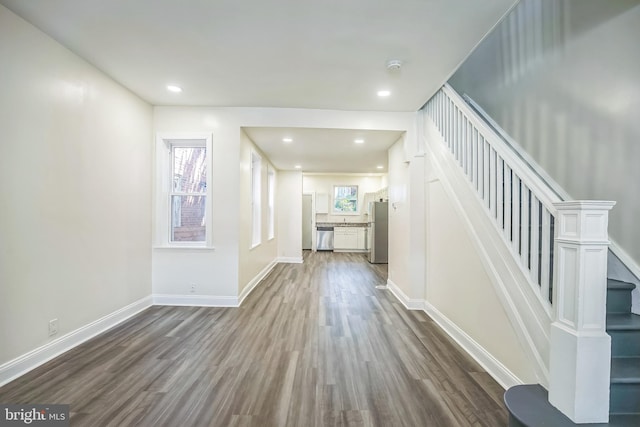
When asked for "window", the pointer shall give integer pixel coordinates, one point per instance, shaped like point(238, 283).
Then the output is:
point(183, 191)
point(271, 189)
point(188, 194)
point(345, 199)
point(256, 193)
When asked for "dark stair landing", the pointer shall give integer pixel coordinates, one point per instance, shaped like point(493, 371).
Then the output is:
point(529, 406)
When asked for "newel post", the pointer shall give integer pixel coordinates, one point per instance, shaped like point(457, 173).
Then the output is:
point(580, 352)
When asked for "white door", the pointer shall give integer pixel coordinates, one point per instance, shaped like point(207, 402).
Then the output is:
point(306, 221)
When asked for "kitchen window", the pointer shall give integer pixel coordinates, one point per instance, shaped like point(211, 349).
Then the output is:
point(345, 199)
point(183, 205)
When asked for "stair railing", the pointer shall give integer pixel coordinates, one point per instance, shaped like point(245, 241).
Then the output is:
point(560, 246)
point(518, 201)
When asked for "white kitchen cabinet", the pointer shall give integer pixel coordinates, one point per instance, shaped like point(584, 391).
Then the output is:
point(322, 203)
point(345, 238)
point(349, 238)
point(361, 238)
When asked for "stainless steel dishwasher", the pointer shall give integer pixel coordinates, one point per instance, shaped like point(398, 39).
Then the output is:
point(325, 239)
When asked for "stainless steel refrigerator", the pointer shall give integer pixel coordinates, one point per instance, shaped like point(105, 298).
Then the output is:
point(379, 232)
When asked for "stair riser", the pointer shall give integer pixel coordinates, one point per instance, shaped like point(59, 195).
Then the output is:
point(625, 343)
point(618, 301)
point(625, 398)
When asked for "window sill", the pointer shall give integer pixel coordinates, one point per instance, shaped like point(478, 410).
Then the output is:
point(254, 246)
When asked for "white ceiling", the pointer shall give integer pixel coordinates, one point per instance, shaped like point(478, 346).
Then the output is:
point(325, 150)
point(327, 54)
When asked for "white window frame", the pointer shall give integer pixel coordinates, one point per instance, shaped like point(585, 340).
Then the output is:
point(271, 202)
point(256, 199)
point(164, 188)
point(334, 211)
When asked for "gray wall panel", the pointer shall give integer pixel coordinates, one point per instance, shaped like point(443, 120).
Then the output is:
point(563, 79)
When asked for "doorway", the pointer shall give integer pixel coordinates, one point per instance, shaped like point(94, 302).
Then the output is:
point(307, 221)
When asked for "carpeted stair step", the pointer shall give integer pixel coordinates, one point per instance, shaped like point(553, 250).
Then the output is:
point(625, 370)
point(624, 420)
point(625, 385)
point(624, 329)
point(619, 296)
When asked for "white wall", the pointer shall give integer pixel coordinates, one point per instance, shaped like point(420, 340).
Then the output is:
point(289, 215)
point(213, 271)
point(216, 272)
point(253, 260)
point(75, 172)
point(399, 225)
point(314, 183)
point(570, 96)
point(460, 289)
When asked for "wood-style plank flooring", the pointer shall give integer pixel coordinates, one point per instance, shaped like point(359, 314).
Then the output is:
point(315, 344)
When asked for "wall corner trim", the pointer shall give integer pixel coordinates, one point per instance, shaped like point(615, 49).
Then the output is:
point(31, 360)
point(409, 303)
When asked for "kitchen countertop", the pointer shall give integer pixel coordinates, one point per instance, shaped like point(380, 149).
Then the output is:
point(342, 224)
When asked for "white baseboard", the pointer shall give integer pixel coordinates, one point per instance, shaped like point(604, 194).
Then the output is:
point(409, 303)
point(195, 300)
point(497, 370)
point(254, 282)
point(290, 259)
point(31, 360)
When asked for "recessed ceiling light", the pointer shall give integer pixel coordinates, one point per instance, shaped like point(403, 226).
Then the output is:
point(359, 141)
point(173, 88)
point(287, 140)
point(383, 93)
point(297, 166)
point(380, 167)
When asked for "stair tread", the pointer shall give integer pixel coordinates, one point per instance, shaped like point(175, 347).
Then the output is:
point(623, 322)
point(625, 370)
point(624, 420)
point(619, 284)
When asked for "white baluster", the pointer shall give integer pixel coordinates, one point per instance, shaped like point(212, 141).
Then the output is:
point(535, 242)
point(499, 191)
point(515, 215)
point(508, 203)
point(486, 181)
point(525, 225)
point(545, 251)
point(493, 189)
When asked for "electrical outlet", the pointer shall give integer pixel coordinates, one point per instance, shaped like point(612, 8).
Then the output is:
point(193, 288)
point(53, 327)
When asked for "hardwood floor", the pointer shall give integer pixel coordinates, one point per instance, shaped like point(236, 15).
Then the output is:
point(315, 344)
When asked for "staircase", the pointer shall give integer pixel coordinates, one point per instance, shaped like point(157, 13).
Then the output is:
point(542, 241)
point(624, 329)
point(528, 405)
